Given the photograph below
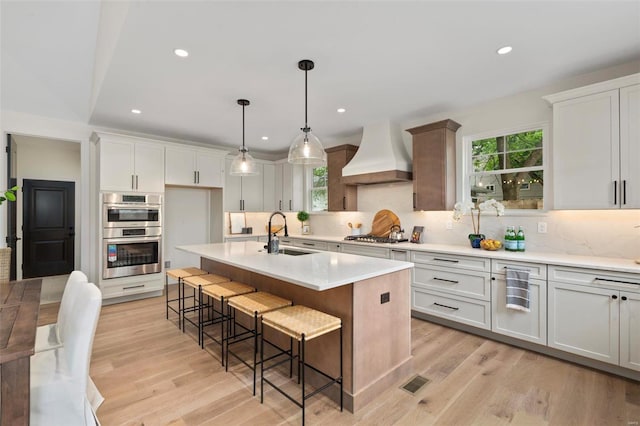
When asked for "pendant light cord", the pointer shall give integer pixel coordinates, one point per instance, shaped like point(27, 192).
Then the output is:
point(243, 148)
point(306, 125)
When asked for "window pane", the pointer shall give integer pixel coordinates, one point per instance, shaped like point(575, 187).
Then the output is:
point(486, 163)
point(524, 140)
point(319, 200)
point(319, 177)
point(484, 146)
point(514, 190)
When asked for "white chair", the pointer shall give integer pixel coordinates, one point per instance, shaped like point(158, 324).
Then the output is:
point(52, 336)
point(60, 377)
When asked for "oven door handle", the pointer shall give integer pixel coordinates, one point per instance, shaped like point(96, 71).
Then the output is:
point(132, 239)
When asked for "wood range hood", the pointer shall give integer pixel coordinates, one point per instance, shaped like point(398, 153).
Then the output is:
point(381, 157)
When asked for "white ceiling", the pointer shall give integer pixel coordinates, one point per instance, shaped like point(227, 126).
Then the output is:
point(94, 61)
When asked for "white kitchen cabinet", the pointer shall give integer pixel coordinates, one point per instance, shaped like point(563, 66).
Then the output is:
point(596, 145)
point(584, 321)
point(363, 250)
point(243, 193)
point(630, 330)
point(399, 254)
point(289, 186)
point(453, 287)
point(595, 314)
point(192, 167)
point(130, 164)
point(531, 326)
point(269, 187)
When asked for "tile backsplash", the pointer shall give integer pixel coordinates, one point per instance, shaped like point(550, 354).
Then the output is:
point(605, 233)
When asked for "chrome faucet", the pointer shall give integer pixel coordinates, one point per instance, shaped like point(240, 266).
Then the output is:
point(286, 232)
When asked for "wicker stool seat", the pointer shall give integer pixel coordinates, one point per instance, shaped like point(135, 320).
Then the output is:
point(220, 292)
point(179, 275)
point(253, 305)
point(303, 324)
point(196, 282)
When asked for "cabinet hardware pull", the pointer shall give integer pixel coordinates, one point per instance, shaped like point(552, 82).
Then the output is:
point(133, 286)
point(398, 251)
point(445, 260)
point(445, 306)
point(195, 179)
point(344, 203)
point(279, 204)
point(614, 297)
point(624, 297)
point(414, 200)
point(308, 244)
point(624, 192)
point(615, 192)
point(493, 278)
point(446, 281)
point(133, 182)
point(596, 279)
point(517, 269)
point(136, 181)
point(290, 205)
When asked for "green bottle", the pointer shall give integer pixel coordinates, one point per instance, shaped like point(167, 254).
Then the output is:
point(520, 239)
point(508, 239)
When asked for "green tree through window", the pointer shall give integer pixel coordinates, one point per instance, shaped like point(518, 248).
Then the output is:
point(509, 168)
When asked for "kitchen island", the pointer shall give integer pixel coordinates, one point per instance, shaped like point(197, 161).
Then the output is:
point(371, 296)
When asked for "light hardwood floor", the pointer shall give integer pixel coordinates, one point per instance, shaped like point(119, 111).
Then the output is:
point(152, 374)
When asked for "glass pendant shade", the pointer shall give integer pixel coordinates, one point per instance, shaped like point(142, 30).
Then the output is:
point(243, 165)
point(307, 149)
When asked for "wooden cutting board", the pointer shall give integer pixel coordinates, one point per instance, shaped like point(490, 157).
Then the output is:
point(382, 223)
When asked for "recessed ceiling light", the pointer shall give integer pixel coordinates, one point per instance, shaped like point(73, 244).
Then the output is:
point(181, 53)
point(136, 111)
point(265, 138)
point(504, 50)
point(341, 110)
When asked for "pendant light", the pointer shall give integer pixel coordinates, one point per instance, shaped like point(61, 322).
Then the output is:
point(243, 164)
point(306, 148)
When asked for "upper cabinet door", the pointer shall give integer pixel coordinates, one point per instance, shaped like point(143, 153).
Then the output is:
point(180, 168)
point(209, 169)
point(269, 187)
point(586, 152)
point(117, 166)
point(630, 146)
point(149, 167)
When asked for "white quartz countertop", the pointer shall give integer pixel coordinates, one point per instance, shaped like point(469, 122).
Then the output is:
point(593, 262)
point(319, 270)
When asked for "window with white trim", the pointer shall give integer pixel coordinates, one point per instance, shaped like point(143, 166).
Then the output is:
point(508, 167)
point(319, 198)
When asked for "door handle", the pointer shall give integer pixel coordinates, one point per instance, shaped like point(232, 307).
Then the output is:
point(624, 192)
point(615, 192)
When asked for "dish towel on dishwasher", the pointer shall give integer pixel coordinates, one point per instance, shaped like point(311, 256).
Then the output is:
point(518, 289)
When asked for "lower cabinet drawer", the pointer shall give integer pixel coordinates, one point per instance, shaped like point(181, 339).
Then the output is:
point(111, 288)
point(366, 250)
point(461, 309)
point(316, 245)
point(449, 280)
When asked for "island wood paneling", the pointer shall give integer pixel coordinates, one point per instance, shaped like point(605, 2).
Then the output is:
point(381, 333)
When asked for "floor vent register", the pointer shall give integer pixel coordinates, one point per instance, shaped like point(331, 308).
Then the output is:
point(413, 385)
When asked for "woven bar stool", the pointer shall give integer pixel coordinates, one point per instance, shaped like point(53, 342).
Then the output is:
point(220, 293)
point(196, 283)
point(253, 305)
point(303, 324)
point(178, 274)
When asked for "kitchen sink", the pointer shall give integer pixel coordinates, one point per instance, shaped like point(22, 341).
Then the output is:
point(292, 252)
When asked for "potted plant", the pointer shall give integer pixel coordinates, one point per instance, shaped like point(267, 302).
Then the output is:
point(303, 217)
point(9, 195)
point(461, 208)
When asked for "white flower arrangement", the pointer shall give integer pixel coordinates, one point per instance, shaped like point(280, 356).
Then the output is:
point(469, 207)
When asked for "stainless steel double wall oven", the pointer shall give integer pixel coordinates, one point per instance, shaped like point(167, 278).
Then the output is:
point(132, 234)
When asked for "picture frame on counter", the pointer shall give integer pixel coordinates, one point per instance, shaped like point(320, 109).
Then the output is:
point(417, 235)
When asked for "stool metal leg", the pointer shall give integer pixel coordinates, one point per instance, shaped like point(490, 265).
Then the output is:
point(302, 374)
point(166, 293)
point(262, 367)
point(341, 394)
